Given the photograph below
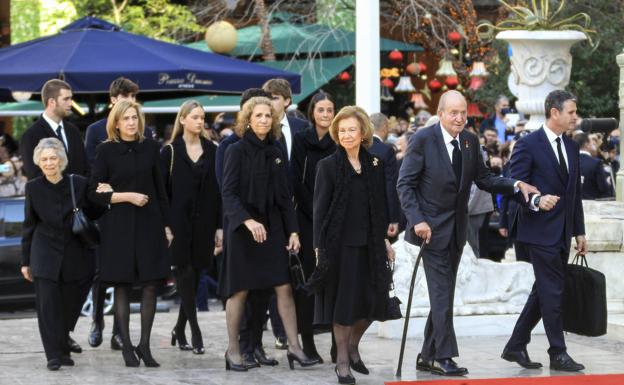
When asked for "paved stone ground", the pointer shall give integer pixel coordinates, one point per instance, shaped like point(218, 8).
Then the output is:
point(22, 360)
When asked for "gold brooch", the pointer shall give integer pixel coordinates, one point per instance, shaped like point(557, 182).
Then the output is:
point(278, 161)
point(466, 144)
point(375, 162)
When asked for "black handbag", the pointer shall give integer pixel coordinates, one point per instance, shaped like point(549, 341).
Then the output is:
point(393, 307)
point(584, 299)
point(84, 228)
point(297, 276)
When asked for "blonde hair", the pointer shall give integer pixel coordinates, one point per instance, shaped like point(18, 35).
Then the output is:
point(54, 144)
point(117, 112)
point(185, 110)
point(244, 117)
point(366, 127)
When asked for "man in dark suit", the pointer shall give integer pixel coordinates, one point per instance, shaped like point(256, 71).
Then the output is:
point(594, 179)
point(550, 161)
point(56, 96)
point(388, 156)
point(441, 163)
point(120, 89)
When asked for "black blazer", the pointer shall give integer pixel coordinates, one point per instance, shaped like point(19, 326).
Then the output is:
point(428, 189)
point(194, 217)
point(41, 129)
point(48, 245)
point(388, 156)
point(133, 238)
point(593, 178)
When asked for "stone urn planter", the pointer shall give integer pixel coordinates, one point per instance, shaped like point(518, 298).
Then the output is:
point(540, 63)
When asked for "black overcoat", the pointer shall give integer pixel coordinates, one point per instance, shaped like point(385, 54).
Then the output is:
point(134, 247)
point(48, 245)
point(247, 264)
point(195, 214)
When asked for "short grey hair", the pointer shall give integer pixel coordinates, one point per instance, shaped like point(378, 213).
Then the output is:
point(446, 95)
point(378, 119)
point(54, 144)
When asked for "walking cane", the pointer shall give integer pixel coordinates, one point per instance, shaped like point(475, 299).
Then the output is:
point(409, 307)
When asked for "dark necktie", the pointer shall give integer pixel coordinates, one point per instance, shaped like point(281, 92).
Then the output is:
point(60, 136)
point(457, 161)
point(283, 140)
point(562, 162)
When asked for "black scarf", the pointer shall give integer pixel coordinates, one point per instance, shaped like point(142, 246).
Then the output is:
point(312, 141)
point(264, 181)
point(331, 229)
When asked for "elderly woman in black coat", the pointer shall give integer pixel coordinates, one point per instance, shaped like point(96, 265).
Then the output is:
point(352, 276)
point(188, 163)
point(52, 256)
point(259, 226)
point(135, 231)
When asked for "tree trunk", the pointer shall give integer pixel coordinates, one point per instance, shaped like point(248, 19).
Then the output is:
point(117, 10)
point(265, 44)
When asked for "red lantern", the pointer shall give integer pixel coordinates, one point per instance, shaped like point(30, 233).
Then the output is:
point(387, 83)
point(395, 56)
point(435, 85)
point(452, 82)
point(344, 77)
point(422, 67)
point(454, 37)
point(476, 82)
point(412, 69)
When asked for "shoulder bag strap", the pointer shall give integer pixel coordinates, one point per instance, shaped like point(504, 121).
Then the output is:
point(71, 189)
point(171, 162)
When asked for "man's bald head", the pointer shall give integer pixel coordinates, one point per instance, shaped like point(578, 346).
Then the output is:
point(452, 110)
point(449, 97)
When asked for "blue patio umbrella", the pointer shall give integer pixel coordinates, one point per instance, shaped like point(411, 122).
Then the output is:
point(90, 53)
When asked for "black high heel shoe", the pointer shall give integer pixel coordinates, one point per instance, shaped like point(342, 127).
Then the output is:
point(358, 366)
point(145, 354)
point(229, 365)
point(348, 379)
point(129, 357)
point(180, 340)
point(198, 344)
point(303, 362)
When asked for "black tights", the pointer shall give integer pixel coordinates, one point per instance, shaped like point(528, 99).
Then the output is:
point(122, 313)
point(187, 279)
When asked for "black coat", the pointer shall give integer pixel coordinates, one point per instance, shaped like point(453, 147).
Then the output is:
point(247, 264)
point(388, 156)
point(41, 129)
point(593, 178)
point(195, 203)
point(48, 245)
point(134, 247)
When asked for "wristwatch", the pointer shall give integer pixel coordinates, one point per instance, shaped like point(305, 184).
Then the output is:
point(536, 201)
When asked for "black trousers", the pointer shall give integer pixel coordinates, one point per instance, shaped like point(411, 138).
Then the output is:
point(56, 308)
point(98, 295)
point(441, 273)
point(545, 300)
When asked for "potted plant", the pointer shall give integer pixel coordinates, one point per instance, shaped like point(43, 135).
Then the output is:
point(540, 39)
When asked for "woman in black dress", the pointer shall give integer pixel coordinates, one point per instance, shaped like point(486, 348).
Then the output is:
point(352, 277)
point(260, 226)
point(309, 147)
point(135, 231)
point(52, 256)
point(188, 163)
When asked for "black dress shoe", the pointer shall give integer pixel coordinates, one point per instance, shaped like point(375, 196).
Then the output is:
point(54, 364)
point(564, 362)
point(521, 357)
point(422, 364)
point(95, 335)
point(116, 342)
point(67, 361)
point(249, 361)
point(73, 345)
point(447, 367)
point(180, 339)
point(359, 366)
point(262, 358)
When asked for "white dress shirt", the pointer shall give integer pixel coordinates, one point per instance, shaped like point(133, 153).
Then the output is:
point(447, 142)
point(286, 133)
point(552, 139)
point(54, 126)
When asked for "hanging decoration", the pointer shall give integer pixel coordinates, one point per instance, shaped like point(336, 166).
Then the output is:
point(395, 56)
point(413, 69)
point(478, 69)
point(422, 67)
point(454, 37)
point(405, 85)
point(435, 85)
point(476, 82)
point(386, 95)
point(418, 101)
point(451, 82)
point(221, 37)
point(387, 83)
point(389, 72)
point(446, 68)
point(344, 77)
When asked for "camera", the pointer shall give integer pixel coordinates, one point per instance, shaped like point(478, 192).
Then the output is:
point(604, 125)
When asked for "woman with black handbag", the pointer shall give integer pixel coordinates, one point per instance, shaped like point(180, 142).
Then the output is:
point(352, 277)
point(259, 226)
point(188, 163)
point(53, 256)
point(135, 232)
point(309, 147)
